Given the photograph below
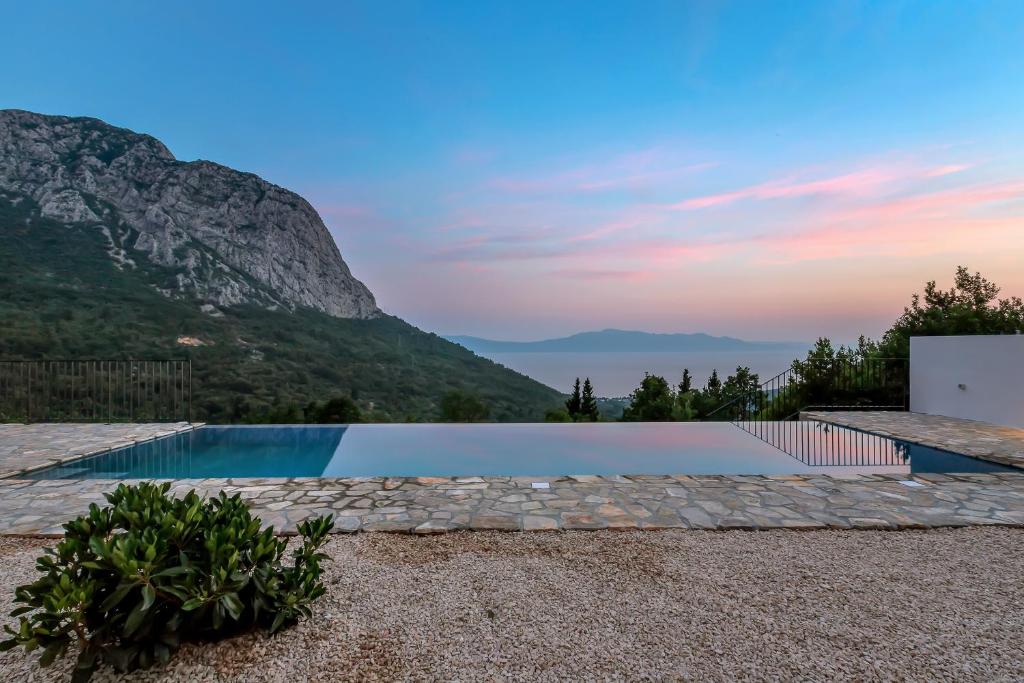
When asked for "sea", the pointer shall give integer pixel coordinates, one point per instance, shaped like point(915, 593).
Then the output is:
point(616, 374)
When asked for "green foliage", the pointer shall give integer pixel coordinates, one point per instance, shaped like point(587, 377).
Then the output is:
point(338, 410)
point(686, 383)
point(458, 406)
point(611, 409)
point(713, 389)
point(278, 415)
point(63, 298)
point(575, 401)
point(652, 401)
point(687, 405)
point(743, 383)
point(588, 404)
point(129, 582)
point(970, 306)
point(843, 376)
point(557, 415)
point(580, 407)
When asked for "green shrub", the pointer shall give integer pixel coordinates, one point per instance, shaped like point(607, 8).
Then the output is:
point(130, 581)
point(459, 406)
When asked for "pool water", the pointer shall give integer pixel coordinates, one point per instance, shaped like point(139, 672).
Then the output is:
point(542, 450)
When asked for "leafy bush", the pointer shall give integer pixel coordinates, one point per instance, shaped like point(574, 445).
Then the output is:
point(339, 410)
point(130, 581)
point(459, 406)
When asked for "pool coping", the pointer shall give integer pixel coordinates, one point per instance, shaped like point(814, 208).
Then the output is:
point(921, 440)
point(173, 430)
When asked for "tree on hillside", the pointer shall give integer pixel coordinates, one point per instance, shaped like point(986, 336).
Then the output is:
point(686, 406)
point(686, 383)
point(969, 307)
point(339, 410)
point(458, 406)
point(557, 415)
point(652, 401)
point(588, 404)
point(575, 402)
point(276, 414)
point(743, 383)
point(686, 403)
point(713, 389)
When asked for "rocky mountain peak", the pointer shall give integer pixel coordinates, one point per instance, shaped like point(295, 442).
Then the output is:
point(222, 236)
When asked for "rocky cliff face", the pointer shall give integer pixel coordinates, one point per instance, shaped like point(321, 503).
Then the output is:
point(225, 237)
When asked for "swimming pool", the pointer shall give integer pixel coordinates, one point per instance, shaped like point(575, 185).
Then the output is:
point(541, 450)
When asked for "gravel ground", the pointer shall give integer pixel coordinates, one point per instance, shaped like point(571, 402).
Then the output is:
point(775, 605)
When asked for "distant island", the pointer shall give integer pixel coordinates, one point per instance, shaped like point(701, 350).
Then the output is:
point(624, 341)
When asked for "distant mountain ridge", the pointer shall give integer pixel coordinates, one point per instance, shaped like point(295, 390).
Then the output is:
point(624, 341)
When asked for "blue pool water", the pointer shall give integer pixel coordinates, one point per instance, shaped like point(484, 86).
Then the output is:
point(542, 450)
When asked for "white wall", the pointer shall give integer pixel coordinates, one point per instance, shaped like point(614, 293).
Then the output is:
point(990, 368)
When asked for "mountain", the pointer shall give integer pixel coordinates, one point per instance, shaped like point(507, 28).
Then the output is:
point(624, 341)
point(228, 237)
point(110, 248)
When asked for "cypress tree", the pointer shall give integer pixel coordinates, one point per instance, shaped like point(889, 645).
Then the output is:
point(574, 403)
point(687, 382)
point(588, 404)
point(714, 387)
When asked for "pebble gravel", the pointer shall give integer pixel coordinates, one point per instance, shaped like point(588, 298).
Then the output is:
point(937, 605)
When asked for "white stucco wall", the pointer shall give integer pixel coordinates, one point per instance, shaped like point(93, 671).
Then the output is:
point(990, 368)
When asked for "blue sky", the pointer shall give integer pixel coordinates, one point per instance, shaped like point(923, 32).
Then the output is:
point(520, 170)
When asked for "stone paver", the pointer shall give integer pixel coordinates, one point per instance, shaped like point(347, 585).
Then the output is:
point(982, 440)
point(436, 505)
point(27, 447)
point(431, 505)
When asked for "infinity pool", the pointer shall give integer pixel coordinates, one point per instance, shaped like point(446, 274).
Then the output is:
point(542, 450)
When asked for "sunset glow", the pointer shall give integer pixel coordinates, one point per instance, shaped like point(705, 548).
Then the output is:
point(754, 169)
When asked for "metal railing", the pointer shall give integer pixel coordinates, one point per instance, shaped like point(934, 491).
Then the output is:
point(95, 390)
point(848, 384)
point(819, 444)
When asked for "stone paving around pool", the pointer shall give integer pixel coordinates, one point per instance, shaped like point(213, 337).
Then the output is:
point(1004, 445)
point(27, 447)
point(31, 446)
point(435, 505)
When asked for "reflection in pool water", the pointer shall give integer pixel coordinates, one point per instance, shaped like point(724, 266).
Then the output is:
point(543, 450)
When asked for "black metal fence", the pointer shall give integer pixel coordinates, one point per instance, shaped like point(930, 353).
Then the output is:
point(95, 390)
point(846, 384)
point(820, 444)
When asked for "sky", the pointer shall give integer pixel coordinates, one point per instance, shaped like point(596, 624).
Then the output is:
point(522, 170)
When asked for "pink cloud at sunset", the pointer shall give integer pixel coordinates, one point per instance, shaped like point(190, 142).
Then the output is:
point(563, 246)
point(642, 169)
point(857, 183)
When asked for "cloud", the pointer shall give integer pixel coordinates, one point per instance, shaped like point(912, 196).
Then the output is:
point(599, 274)
point(910, 226)
point(857, 182)
point(949, 169)
point(641, 169)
